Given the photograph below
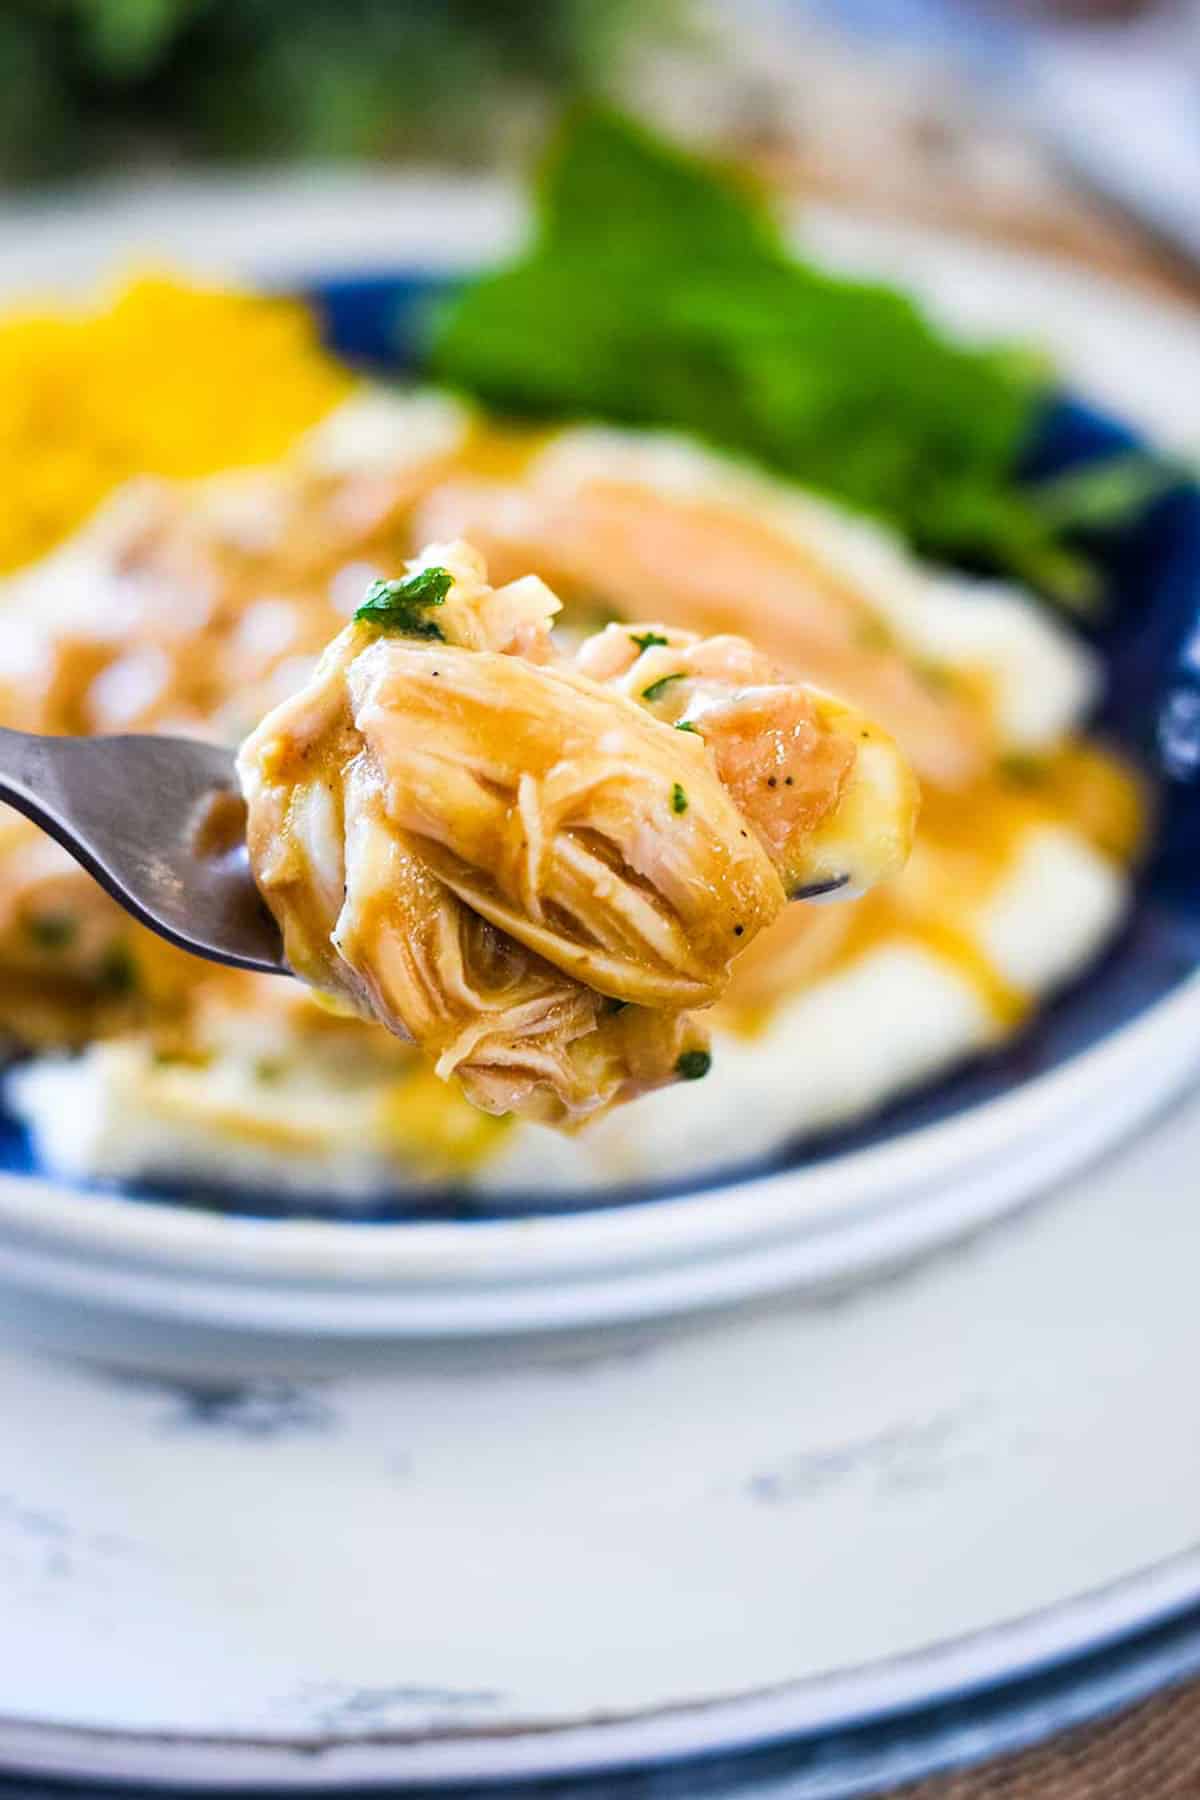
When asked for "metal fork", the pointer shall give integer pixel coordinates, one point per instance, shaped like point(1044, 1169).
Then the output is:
point(161, 825)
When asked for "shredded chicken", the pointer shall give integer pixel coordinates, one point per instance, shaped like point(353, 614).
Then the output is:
point(536, 866)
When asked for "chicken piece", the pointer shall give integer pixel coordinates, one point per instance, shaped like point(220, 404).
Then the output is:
point(520, 861)
point(620, 539)
point(824, 791)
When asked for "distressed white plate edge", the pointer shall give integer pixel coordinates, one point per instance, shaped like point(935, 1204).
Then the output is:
point(628, 1743)
point(833, 1705)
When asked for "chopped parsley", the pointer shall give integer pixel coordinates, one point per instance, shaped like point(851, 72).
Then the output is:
point(679, 800)
point(52, 931)
point(116, 973)
point(658, 688)
point(686, 725)
point(1023, 771)
point(646, 640)
point(693, 1065)
point(398, 605)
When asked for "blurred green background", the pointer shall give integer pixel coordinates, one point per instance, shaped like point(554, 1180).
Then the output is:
point(93, 82)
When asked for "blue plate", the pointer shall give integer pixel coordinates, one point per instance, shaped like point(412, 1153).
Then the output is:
point(1151, 646)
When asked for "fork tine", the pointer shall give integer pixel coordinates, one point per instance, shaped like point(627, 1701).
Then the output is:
point(156, 851)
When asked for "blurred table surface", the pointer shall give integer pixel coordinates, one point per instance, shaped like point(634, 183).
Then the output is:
point(999, 189)
point(890, 121)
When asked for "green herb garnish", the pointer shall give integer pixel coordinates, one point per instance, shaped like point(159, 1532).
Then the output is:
point(398, 605)
point(660, 292)
point(693, 1064)
point(1105, 495)
point(679, 799)
point(1023, 771)
point(658, 688)
point(52, 931)
point(117, 973)
point(686, 725)
point(646, 640)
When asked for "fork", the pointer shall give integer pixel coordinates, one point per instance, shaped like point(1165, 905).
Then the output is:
point(160, 823)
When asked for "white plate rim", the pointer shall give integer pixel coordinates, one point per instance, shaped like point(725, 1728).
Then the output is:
point(840, 1701)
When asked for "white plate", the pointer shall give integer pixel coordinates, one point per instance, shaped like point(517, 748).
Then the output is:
point(490, 1568)
point(181, 1286)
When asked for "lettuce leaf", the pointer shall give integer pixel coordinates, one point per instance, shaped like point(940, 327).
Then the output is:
point(659, 292)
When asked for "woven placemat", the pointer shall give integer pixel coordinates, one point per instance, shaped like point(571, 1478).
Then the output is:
point(1151, 1752)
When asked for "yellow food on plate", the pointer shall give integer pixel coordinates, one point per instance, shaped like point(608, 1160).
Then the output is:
point(155, 378)
point(537, 866)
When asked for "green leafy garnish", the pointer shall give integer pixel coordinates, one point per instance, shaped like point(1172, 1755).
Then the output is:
point(646, 640)
point(399, 605)
point(660, 292)
point(693, 1064)
point(89, 83)
point(658, 688)
point(686, 725)
point(52, 931)
point(679, 799)
point(1105, 495)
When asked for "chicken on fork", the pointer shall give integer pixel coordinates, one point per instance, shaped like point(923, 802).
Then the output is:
point(538, 866)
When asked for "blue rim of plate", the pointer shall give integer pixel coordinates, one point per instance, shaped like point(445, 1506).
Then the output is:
point(1150, 643)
